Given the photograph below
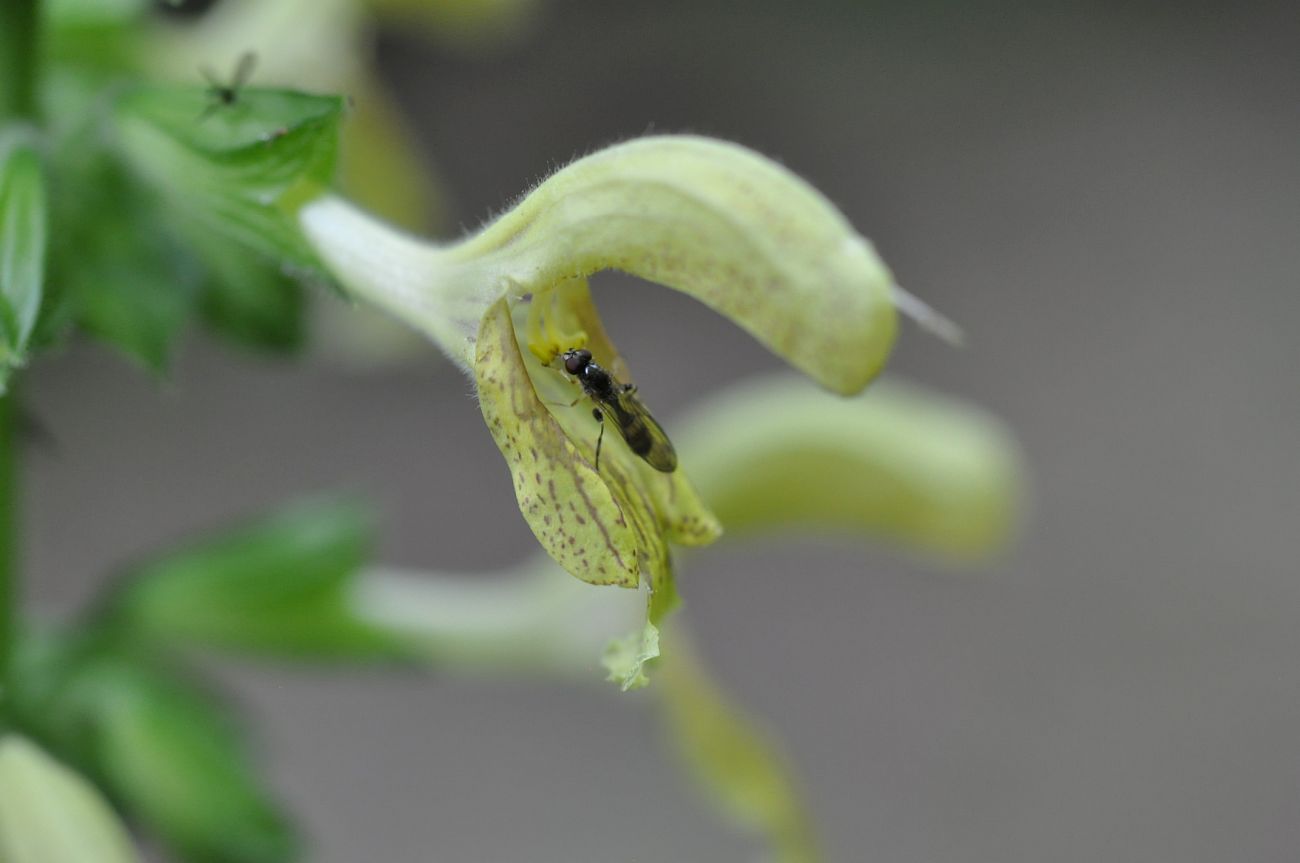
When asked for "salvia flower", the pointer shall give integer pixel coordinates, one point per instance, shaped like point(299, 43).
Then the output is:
point(712, 219)
point(708, 218)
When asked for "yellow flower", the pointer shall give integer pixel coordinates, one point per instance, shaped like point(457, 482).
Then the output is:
point(709, 218)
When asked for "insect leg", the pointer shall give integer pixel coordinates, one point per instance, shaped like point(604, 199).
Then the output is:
point(600, 418)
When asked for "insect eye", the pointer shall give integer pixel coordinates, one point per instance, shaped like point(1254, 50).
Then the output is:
point(573, 362)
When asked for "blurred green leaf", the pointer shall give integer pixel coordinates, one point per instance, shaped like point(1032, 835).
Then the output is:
point(23, 225)
point(900, 463)
point(166, 753)
point(95, 13)
point(235, 161)
point(281, 585)
point(249, 298)
point(175, 762)
point(103, 34)
point(117, 266)
point(131, 269)
point(50, 814)
point(731, 758)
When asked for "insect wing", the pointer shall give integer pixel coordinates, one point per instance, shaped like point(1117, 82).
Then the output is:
point(243, 70)
point(644, 436)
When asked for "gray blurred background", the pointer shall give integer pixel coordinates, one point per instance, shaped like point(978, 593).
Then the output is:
point(1105, 195)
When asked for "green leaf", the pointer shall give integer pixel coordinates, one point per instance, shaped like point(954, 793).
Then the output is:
point(51, 814)
point(280, 585)
point(170, 756)
point(248, 298)
point(23, 225)
point(100, 34)
point(167, 754)
point(131, 269)
point(732, 759)
point(118, 266)
point(237, 166)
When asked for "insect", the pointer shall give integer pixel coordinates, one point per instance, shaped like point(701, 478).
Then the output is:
point(225, 95)
point(618, 401)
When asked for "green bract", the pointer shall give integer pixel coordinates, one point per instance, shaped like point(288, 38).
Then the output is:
point(236, 169)
point(22, 246)
point(173, 201)
point(50, 814)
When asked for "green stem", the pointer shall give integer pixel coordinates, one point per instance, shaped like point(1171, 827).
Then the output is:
point(19, 57)
point(8, 533)
point(19, 27)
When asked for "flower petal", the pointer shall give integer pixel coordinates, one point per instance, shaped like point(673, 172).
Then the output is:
point(709, 218)
point(575, 515)
point(721, 223)
point(678, 511)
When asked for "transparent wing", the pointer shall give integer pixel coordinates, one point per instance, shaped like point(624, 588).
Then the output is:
point(644, 436)
point(243, 70)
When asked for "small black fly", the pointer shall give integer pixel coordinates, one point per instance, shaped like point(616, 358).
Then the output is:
point(225, 95)
point(618, 401)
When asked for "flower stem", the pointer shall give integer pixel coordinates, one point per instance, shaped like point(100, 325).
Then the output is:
point(19, 46)
point(19, 31)
point(8, 535)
